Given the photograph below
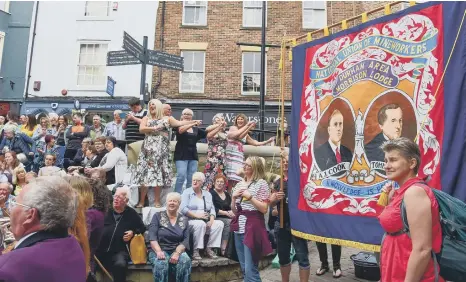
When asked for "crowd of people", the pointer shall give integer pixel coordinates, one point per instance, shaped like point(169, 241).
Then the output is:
point(60, 185)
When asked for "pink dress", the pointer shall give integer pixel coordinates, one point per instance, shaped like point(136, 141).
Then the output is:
point(396, 250)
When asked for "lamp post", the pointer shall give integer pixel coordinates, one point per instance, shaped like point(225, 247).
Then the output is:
point(262, 75)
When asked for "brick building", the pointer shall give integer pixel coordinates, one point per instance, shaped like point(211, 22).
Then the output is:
point(221, 75)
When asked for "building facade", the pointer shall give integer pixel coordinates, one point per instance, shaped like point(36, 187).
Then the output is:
point(70, 45)
point(221, 68)
point(15, 26)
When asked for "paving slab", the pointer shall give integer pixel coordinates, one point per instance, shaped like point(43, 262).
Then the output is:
point(273, 274)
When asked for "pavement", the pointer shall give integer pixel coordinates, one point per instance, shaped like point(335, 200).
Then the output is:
point(273, 274)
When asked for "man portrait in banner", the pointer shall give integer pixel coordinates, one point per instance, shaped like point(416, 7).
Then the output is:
point(390, 119)
point(333, 152)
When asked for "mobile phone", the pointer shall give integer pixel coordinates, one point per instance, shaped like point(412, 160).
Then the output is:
point(122, 115)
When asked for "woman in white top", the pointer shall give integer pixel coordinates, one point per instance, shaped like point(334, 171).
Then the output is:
point(249, 202)
point(50, 169)
point(114, 163)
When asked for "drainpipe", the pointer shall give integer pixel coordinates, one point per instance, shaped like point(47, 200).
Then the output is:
point(162, 28)
point(32, 51)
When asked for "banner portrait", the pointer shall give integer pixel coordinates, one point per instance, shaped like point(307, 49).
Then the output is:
point(358, 88)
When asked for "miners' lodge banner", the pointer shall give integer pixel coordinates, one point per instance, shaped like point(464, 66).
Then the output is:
point(399, 75)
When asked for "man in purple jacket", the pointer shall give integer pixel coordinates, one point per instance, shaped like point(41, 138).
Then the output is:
point(44, 251)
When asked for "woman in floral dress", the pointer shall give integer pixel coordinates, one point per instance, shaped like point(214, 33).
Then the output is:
point(154, 166)
point(217, 139)
point(238, 135)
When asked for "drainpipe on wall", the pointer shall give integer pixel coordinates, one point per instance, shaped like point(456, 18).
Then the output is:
point(26, 93)
point(162, 28)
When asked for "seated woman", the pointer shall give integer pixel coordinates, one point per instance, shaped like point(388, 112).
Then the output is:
point(169, 238)
point(408, 257)
point(11, 163)
point(222, 204)
point(50, 168)
point(198, 206)
point(19, 180)
point(115, 163)
point(79, 158)
point(50, 147)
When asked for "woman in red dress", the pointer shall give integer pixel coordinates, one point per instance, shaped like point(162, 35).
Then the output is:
point(408, 258)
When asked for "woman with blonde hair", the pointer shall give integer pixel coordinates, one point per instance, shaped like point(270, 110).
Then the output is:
point(41, 131)
point(238, 136)
point(249, 202)
point(19, 180)
point(154, 166)
point(216, 150)
point(79, 228)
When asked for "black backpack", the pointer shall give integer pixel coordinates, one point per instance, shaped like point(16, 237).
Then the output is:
point(452, 256)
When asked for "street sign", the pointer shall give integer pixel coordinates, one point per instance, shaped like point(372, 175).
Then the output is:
point(120, 58)
point(110, 86)
point(165, 60)
point(132, 46)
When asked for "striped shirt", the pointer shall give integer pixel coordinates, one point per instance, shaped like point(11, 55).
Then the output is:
point(132, 128)
point(259, 190)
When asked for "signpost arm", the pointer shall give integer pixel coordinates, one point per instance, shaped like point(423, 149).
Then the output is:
point(262, 77)
point(143, 71)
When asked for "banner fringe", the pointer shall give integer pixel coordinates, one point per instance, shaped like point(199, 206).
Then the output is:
point(333, 241)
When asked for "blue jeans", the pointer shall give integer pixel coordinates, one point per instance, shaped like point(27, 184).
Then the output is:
point(248, 267)
point(184, 171)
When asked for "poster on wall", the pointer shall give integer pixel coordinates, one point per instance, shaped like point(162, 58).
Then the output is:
point(354, 90)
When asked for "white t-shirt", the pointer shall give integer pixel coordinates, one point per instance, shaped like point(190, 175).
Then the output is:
point(259, 190)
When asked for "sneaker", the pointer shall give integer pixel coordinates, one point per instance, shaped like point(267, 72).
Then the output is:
point(210, 253)
point(196, 255)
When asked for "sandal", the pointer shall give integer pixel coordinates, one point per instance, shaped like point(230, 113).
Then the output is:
point(210, 253)
point(158, 206)
point(337, 273)
point(322, 270)
point(139, 206)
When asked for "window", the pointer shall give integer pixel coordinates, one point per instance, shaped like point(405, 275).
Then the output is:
point(92, 64)
point(97, 9)
point(314, 14)
point(251, 73)
point(252, 14)
point(5, 6)
point(194, 12)
point(192, 77)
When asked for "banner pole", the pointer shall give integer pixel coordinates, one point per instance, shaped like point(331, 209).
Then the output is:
point(282, 125)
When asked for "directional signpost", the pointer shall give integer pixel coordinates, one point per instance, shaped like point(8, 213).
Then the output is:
point(134, 53)
point(164, 60)
point(120, 58)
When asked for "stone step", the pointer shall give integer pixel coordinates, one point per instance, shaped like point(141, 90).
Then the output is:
point(206, 270)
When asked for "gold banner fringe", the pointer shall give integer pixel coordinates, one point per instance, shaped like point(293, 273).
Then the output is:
point(341, 242)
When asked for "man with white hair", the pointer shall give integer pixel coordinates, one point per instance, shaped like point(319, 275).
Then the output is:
point(40, 218)
point(115, 129)
point(97, 129)
point(5, 197)
point(14, 141)
point(167, 110)
point(120, 225)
